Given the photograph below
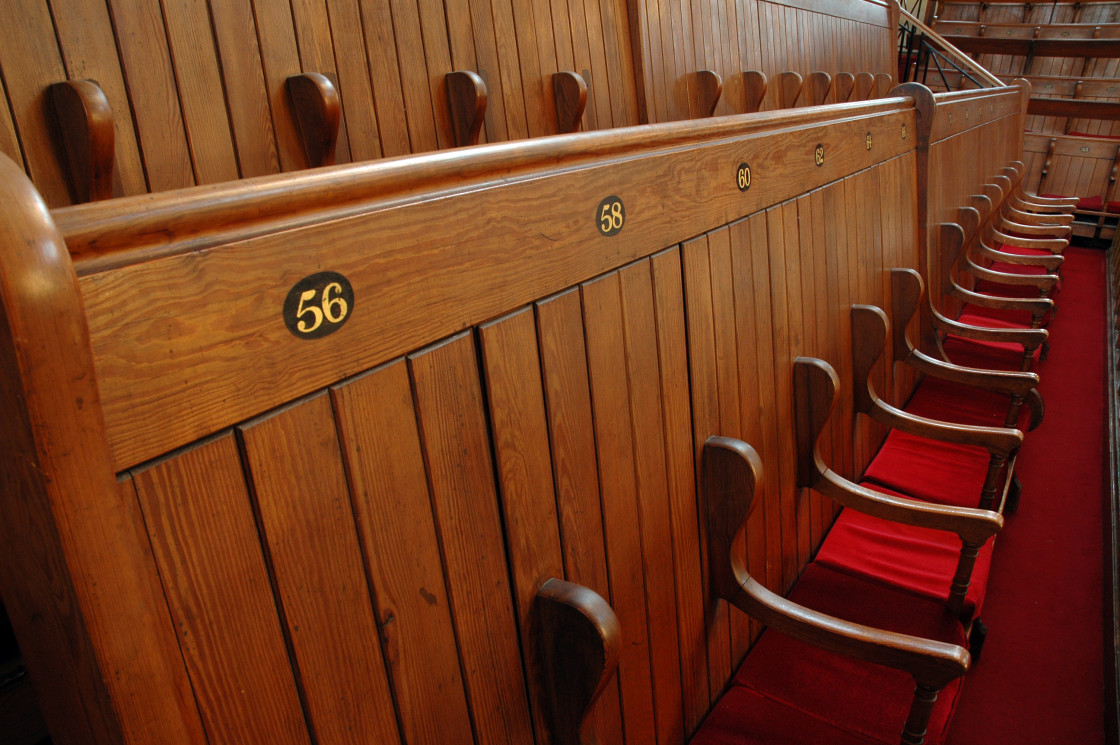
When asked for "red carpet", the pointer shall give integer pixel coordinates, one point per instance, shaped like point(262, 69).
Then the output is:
point(1041, 679)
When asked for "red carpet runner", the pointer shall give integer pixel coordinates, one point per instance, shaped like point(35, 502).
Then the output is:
point(1041, 679)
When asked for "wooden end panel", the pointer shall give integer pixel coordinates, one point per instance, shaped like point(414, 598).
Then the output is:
point(615, 445)
point(389, 491)
point(457, 452)
point(302, 499)
point(563, 353)
point(204, 536)
point(515, 398)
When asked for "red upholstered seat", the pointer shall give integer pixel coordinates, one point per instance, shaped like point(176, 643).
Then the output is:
point(940, 472)
point(1009, 316)
point(1024, 251)
point(1094, 203)
point(987, 355)
point(941, 399)
point(907, 557)
point(746, 717)
point(855, 697)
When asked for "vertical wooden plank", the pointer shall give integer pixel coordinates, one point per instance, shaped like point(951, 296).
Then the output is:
point(89, 52)
point(204, 538)
point(235, 30)
point(706, 422)
point(280, 57)
point(385, 78)
point(433, 26)
point(501, 102)
point(31, 61)
point(786, 339)
point(615, 445)
point(620, 64)
point(304, 510)
point(799, 339)
point(9, 143)
point(400, 548)
point(195, 60)
point(681, 480)
point(457, 451)
point(546, 66)
point(575, 472)
point(600, 84)
point(515, 396)
point(422, 130)
point(814, 313)
point(359, 113)
point(316, 53)
point(528, 55)
point(153, 91)
point(647, 423)
point(758, 247)
point(728, 350)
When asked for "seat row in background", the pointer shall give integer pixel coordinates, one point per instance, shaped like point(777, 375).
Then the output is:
point(893, 597)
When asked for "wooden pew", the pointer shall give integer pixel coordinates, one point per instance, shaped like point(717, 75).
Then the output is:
point(267, 422)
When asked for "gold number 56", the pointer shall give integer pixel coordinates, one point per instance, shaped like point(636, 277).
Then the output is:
point(333, 309)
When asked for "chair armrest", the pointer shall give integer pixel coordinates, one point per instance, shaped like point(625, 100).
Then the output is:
point(1029, 338)
point(999, 441)
point(1056, 219)
point(1052, 244)
point(1044, 282)
point(578, 645)
point(1038, 306)
point(1000, 381)
point(1031, 227)
point(1049, 262)
point(731, 470)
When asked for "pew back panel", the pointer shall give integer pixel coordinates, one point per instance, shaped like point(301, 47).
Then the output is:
point(350, 526)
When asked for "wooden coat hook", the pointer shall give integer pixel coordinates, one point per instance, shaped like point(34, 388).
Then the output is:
point(865, 86)
point(318, 111)
point(570, 93)
point(709, 87)
point(466, 97)
point(818, 84)
point(85, 122)
point(754, 88)
point(844, 83)
point(789, 89)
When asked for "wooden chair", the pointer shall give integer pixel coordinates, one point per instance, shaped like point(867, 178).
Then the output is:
point(795, 685)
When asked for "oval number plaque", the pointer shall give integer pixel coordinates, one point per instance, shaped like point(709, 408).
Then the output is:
point(743, 177)
point(610, 216)
point(318, 305)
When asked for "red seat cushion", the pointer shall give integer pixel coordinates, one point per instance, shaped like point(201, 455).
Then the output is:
point(854, 696)
point(1095, 203)
point(1113, 207)
point(907, 557)
point(940, 472)
point(745, 717)
point(1010, 316)
point(935, 398)
point(986, 355)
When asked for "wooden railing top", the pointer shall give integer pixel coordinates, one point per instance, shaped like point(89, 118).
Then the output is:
point(1072, 31)
point(409, 234)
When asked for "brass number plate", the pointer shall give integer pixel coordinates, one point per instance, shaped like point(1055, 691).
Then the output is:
point(610, 216)
point(318, 305)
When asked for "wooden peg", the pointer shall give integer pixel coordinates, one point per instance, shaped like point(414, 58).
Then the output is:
point(570, 93)
point(318, 111)
point(844, 84)
point(883, 83)
point(466, 96)
point(865, 85)
point(754, 86)
point(789, 88)
point(818, 84)
point(85, 122)
point(709, 87)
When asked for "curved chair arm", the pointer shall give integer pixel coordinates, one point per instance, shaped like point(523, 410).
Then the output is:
point(1038, 306)
point(1050, 262)
point(578, 644)
point(1057, 245)
point(1030, 338)
point(869, 331)
point(1032, 228)
point(1044, 282)
point(731, 471)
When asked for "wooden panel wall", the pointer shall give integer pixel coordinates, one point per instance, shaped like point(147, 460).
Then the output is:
point(356, 548)
point(405, 517)
point(197, 88)
point(732, 36)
